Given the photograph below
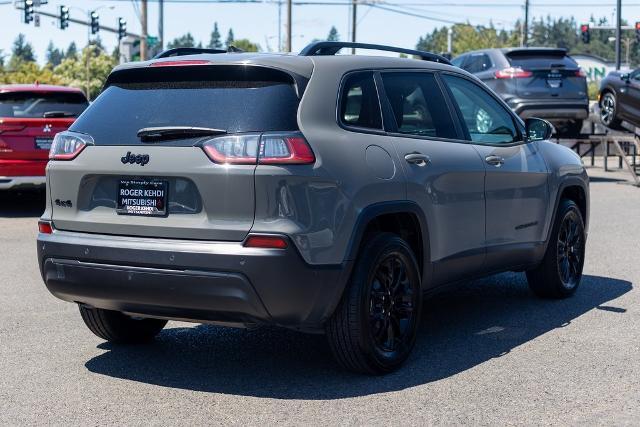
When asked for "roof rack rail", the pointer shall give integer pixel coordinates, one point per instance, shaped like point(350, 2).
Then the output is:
point(181, 51)
point(331, 48)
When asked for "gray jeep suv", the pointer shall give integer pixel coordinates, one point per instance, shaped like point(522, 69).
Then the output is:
point(324, 193)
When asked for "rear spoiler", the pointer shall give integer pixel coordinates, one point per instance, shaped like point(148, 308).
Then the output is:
point(249, 72)
point(547, 51)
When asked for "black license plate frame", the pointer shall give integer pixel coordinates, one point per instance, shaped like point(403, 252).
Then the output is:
point(142, 197)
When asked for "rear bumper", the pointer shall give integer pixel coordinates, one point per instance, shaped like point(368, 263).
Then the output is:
point(193, 281)
point(13, 182)
point(550, 109)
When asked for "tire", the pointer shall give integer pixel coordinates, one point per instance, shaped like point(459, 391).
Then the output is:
point(119, 328)
point(363, 331)
point(560, 271)
point(609, 111)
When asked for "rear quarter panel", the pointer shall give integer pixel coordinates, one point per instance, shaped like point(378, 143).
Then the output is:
point(566, 169)
point(318, 206)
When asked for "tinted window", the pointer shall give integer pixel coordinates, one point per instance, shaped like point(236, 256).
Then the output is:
point(233, 101)
point(359, 105)
point(477, 62)
point(533, 61)
point(36, 104)
point(418, 104)
point(488, 122)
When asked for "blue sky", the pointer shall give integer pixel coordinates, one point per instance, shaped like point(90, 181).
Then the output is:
point(259, 21)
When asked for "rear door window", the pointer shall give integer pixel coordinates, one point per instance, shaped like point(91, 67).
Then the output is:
point(228, 98)
point(359, 103)
point(418, 105)
point(40, 104)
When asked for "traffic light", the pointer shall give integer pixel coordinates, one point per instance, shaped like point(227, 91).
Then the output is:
point(95, 22)
point(64, 17)
point(28, 11)
point(584, 32)
point(122, 28)
point(638, 32)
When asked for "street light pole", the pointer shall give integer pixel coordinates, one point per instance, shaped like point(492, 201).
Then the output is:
point(618, 34)
point(161, 23)
point(88, 56)
point(525, 32)
point(289, 33)
point(143, 22)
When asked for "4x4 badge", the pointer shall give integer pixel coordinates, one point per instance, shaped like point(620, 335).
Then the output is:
point(141, 159)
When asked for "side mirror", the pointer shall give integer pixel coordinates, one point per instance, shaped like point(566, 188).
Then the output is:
point(625, 77)
point(538, 129)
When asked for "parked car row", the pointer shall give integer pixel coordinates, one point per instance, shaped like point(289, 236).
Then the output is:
point(535, 82)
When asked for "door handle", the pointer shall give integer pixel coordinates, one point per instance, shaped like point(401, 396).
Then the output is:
point(417, 159)
point(496, 161)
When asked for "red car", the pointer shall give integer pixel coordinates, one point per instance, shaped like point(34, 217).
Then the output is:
point(30, 115)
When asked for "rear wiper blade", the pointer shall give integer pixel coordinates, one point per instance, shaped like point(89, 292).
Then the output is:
point(176, 132)
point(557, 65)
point(52, 114)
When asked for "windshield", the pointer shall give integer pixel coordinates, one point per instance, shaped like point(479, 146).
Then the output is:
point(36, 104)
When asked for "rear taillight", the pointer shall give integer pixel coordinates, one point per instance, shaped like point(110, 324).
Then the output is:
point(8, 127)
point(266, 149)
point(45, 227)
point(265, 241)
point(67, 145)
point(580, 73)
point(513, 73)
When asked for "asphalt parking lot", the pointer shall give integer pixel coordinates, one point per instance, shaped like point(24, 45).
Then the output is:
point(487, 353)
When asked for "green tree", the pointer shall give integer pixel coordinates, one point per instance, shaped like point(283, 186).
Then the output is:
point(230, 38)
point(73, 71)
point(54, 55)
point(333, 35)
point(215, 42)
point(22, 51)
point(246, 45)
point(29, 72)
point(185, 40)
point(72, 51)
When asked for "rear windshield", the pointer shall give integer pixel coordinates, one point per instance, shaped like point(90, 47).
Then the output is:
point(36, 104)
point(535, 61)
point(237, 101)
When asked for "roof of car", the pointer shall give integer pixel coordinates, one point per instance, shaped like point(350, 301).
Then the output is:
point(37, 88)
point(302, 65)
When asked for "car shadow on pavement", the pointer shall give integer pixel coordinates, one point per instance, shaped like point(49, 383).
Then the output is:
point(22, 204)
point(482, 320)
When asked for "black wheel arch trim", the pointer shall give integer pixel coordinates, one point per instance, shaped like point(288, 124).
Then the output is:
point(375, 210)
point(569, 182)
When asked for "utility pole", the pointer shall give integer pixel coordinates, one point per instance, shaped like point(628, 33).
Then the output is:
point(143, 38)
point(618, 34)
point(354, 19)
point(450, 41)
point(279, 49)
point(161, 23)
point(289, 33)
point(525, 31)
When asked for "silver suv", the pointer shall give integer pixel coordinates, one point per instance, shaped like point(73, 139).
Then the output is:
point(319, 192)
